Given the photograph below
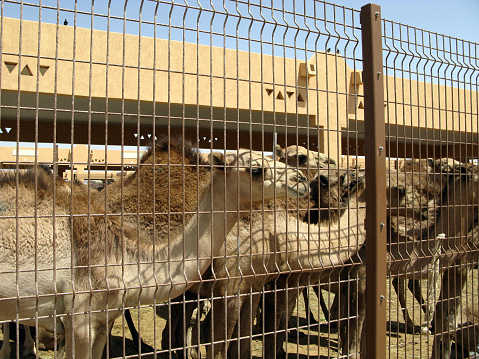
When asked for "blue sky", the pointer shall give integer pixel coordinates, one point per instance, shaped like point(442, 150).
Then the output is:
point(455, 18)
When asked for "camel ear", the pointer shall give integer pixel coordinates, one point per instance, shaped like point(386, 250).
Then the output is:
point(279, 151)
point(220, 160)
point(445, 165)
point(217, 159)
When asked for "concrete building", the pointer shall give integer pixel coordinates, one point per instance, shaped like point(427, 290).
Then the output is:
point(61, 84)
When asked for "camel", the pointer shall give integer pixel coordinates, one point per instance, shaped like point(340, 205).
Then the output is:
point(56, 229)
point(458, 221)
point(309, 162)
point(420, 197)
point(454, 216)
point(234, 273)
point(284, 243)
point(421, 259)
point(345, 232)
point(424, 182)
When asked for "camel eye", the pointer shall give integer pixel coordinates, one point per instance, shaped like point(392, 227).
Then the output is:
point(302, 158)
point(256, 172)
point(332, 162)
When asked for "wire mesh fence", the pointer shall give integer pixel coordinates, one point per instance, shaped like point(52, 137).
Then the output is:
point(189, 180)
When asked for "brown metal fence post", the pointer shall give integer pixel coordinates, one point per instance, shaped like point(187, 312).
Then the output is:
point(376, 181)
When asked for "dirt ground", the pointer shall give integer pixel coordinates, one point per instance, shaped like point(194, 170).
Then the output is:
point(315, 341)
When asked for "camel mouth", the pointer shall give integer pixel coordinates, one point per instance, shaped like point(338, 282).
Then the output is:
point(300, 189)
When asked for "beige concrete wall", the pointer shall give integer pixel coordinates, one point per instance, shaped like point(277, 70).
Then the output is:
point(181, 72)
point(98, 64)
point(78, 160)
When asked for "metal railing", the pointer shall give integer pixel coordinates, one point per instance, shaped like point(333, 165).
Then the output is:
point(205, 249)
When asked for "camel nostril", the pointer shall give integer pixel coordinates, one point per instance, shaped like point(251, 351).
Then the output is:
point(300, 178)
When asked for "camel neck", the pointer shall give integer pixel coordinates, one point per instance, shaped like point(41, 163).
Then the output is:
point(187, 256)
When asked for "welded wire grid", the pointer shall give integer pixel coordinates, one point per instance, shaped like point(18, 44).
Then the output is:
point(431, 105)
point(225, 75)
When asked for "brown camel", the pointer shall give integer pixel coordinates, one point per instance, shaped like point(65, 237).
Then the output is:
point(455, 216)
point(106, 263)
point(309, 162)
point(409, 215)
point(422, 190)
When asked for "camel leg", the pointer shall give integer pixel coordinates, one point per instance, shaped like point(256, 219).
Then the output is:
point(414, 286)
point(29, 343)
point(334, 309)
point(272, 302)
point(353, 307)
point(77, 336)
point(248, 312)
point(217, 333)
point(176, 338)
point(324, 307)
point(225, 317)
point(197, 331)
point(332, 314)
point(137, 341)
point(453, 282)
point(433, 286)
point(6, 350)
point(100, 341)
point(399, 285)
point(277, 323)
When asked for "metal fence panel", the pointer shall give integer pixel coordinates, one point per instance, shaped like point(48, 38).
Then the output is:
point(145, 203)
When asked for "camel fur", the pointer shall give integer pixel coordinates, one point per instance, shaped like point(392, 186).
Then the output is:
point(454, 216)
point(55, 229)
point(283, 243)
point(240, 277)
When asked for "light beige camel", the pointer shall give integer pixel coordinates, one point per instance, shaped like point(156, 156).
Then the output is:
point(455, 216)
point(243, 269)
point(282, 242)
point(341, 237)
point(52, 229)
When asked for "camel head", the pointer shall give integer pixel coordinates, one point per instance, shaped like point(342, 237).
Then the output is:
point(259, 178)
point(331, 191)
point(464, 180)
point(307, 161)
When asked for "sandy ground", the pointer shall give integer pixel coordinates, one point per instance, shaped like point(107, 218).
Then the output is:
point(314, 341)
